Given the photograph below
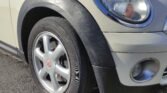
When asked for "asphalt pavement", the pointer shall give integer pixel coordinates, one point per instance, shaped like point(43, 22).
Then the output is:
point(15, 76)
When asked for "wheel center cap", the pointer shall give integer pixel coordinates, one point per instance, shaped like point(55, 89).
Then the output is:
point(48, 63)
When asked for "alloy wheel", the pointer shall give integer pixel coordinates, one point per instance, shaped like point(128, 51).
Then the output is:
point(51, 63)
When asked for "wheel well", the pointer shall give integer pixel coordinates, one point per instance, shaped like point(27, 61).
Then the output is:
point(32, 17)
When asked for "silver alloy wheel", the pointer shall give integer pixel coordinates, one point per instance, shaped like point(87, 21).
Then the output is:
point(51, 63)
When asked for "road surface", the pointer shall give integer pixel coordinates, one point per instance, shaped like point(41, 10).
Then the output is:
point(15, 76)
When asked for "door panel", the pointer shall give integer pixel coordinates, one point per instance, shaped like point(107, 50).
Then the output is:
point(6, 33)
point(15, 6)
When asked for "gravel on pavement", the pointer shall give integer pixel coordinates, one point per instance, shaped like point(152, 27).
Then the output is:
point(15, 76)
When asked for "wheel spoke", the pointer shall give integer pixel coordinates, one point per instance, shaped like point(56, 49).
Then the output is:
point(51, 63)
point(39, 54)
point(54, 82)
point(46, 43)
point(62, 71)
point(42, 73)
point(58, 52)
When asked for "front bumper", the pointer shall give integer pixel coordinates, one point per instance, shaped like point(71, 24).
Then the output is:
point(130, 48)
point(108, 82)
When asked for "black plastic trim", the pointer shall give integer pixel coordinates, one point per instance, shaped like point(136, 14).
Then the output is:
point(108, 82)
point(83, 23)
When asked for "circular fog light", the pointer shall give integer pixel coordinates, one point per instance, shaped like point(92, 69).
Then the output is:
point(145, 70)
point(137, 70)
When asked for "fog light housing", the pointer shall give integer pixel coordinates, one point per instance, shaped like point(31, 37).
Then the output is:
point(145, 70)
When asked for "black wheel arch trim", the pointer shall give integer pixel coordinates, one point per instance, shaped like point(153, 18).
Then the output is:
point(83, 23)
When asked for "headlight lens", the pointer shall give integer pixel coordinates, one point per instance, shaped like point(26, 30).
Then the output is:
point(134, 11)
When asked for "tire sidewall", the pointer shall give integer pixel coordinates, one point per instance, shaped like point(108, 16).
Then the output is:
point(70, 44)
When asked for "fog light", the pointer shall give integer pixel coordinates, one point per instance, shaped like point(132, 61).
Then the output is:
point(145, 70)
point(137, 70)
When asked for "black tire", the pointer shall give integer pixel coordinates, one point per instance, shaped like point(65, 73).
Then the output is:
point(80, 82)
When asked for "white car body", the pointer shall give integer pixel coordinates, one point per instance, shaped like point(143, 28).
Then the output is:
point(128, 45)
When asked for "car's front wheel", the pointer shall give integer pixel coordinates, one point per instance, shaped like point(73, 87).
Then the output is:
point(57, 58)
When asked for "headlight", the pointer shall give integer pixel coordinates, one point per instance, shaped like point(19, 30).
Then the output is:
point(131, 11)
